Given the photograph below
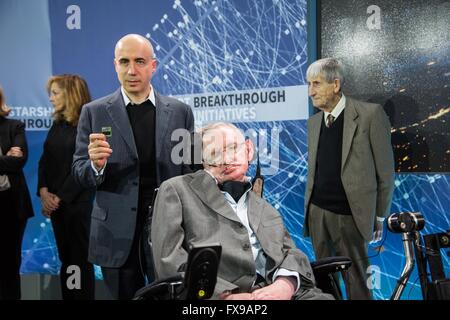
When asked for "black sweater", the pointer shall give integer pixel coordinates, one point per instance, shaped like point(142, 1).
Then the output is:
point(142, 120)
point(329, 193)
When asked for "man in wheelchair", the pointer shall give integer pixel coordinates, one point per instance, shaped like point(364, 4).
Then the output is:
point(215, 205)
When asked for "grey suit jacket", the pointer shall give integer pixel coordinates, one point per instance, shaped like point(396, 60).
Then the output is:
point(114, 211)
point(191, 210)
point(367, 170)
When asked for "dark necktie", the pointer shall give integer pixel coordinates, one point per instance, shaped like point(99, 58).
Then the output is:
point(330, 120)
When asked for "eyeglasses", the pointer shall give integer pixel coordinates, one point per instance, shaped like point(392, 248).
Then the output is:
point(216, 156)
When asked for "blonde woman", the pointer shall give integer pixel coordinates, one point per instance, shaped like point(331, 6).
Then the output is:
point(15, 201)
point(63, 201)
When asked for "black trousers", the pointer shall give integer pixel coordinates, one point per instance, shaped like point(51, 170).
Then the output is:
point(71, 227)
point(123, 282)
point(11, 234)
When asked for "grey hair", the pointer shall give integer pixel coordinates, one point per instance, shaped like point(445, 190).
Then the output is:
point(218, 125)
point(330, 68)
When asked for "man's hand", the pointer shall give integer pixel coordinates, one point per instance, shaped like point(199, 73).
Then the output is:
point(282, 289)
point(46, 213)
point(15, 152)
point(236, 296)
point(378, 232)
point(99, 150)
point(50, 202)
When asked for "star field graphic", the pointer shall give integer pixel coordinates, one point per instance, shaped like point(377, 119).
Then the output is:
point(218, 46)
point(215, 46)
point(404, 65)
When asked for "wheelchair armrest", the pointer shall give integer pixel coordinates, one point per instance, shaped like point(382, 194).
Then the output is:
point(331, 265)
point(159, 289)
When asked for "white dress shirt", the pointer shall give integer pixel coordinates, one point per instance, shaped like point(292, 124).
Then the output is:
point(337, 109)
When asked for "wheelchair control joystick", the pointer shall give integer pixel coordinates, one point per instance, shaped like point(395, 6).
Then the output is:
point(408, 224)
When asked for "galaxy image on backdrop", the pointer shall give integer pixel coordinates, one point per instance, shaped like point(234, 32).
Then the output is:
point(397, 54)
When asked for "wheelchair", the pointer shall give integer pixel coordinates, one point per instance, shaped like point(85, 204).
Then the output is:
point(197, 278)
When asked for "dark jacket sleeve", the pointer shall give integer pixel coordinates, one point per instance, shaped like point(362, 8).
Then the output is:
point(81, 166)
point(42, 182)
point(189, 125)
point(14, 165)
point(71, 191)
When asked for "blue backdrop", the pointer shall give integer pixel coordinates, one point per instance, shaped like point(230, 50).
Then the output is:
point(203, 48)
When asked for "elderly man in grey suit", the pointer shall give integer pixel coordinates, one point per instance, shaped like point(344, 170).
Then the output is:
point(123, 149)
point(350, 173)
point(215, 205)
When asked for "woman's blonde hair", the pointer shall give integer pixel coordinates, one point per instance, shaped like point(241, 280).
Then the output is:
point(4, 110)
point(75, 92)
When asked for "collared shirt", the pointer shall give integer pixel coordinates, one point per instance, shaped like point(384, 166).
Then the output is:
point(337, 109)
point(241, 209)
point(126, 101)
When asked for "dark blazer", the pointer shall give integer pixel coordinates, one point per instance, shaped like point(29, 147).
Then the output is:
point(114, 212)
point(12, 134)
point(55, 165)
